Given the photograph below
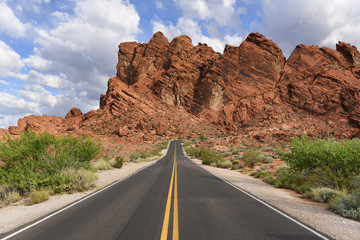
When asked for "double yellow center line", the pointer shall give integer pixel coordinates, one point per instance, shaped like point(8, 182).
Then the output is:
point(165, 227)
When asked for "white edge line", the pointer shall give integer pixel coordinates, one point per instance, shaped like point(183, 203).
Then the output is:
point(276, 210)
point(79, 201)
point(267, 205)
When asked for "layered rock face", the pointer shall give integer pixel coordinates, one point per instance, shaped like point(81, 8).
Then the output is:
point(178, 89)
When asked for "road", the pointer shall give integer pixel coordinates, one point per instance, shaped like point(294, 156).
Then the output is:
point(172, 199)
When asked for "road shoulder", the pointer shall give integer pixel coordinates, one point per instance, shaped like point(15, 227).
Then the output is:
point(14, 216)
point(312, 214)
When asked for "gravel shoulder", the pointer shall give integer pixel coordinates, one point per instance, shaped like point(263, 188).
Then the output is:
point(14, 216)
point(312, 214)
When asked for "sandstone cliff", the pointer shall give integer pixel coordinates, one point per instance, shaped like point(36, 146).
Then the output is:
point(178, 89)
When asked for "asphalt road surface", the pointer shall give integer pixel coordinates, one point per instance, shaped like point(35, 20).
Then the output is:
point(172, 199)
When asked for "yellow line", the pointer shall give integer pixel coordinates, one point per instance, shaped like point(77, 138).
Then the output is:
point(176, 217)
point(165, 226)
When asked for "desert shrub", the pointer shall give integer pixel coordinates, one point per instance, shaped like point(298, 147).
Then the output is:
point(35, 161)
point(244, 170)
point(236, 162)
point(194, 152)
point(12, 196)
point(78, 180)
point(117, 162)
point(323, 194)
point(226, 164)
point(337, 163)
point(261, 174)
point(101, 164)
point(268, 159)
point(269, 179)
point(2, 192)
point(282, 169)
point(354, 185)
point(202, 138)
point(186, 143)
point(234, 152)
point(236, 166)
point(241, 148)
point(270, 149)
point(226, 154)
point(264, 167)
point(38, 196)
point(347, 205)
point(251, 157)
point(290, 180)
point(145, 155)
point(208, 156)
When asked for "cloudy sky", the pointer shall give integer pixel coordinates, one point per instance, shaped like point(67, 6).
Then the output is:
point(55, 55)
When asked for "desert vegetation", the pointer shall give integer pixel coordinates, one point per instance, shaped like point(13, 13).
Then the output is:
point(37, 165)
point(322, 169)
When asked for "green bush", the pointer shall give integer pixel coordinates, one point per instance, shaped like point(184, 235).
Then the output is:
point(324, 194)
point(355, 184)
point(117, 162)
point(269, 179)
point(336, 163)
point(286, 178)
point(262, 174)
point(208, 157)
point(251, 157)
point(226, 164)
point(36, 161)
point(347, 205)
point(195, 152)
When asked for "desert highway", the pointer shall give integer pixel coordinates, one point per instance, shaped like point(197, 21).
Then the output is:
point(172, 199)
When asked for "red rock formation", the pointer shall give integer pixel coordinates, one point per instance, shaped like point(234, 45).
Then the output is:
point(178, 89)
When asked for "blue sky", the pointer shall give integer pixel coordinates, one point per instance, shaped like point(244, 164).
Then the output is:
point(55, 55)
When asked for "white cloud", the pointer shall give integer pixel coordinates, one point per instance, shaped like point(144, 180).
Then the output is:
point(48, 80)
point(4, 82)
point(191, 28)
point(9, 23)
point(321, 22)
point(9, 120)
point(222, 12)
point(12, 105)
point(205, 21)
point(10, 61)
point(159, 5)
point(80, 53)
point(40, 96)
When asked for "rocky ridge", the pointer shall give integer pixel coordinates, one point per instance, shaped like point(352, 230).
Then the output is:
point(176, 89)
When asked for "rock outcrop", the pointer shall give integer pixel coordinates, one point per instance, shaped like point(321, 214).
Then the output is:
point(177, 89)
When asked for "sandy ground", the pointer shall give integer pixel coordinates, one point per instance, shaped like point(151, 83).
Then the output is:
point(312, 214)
